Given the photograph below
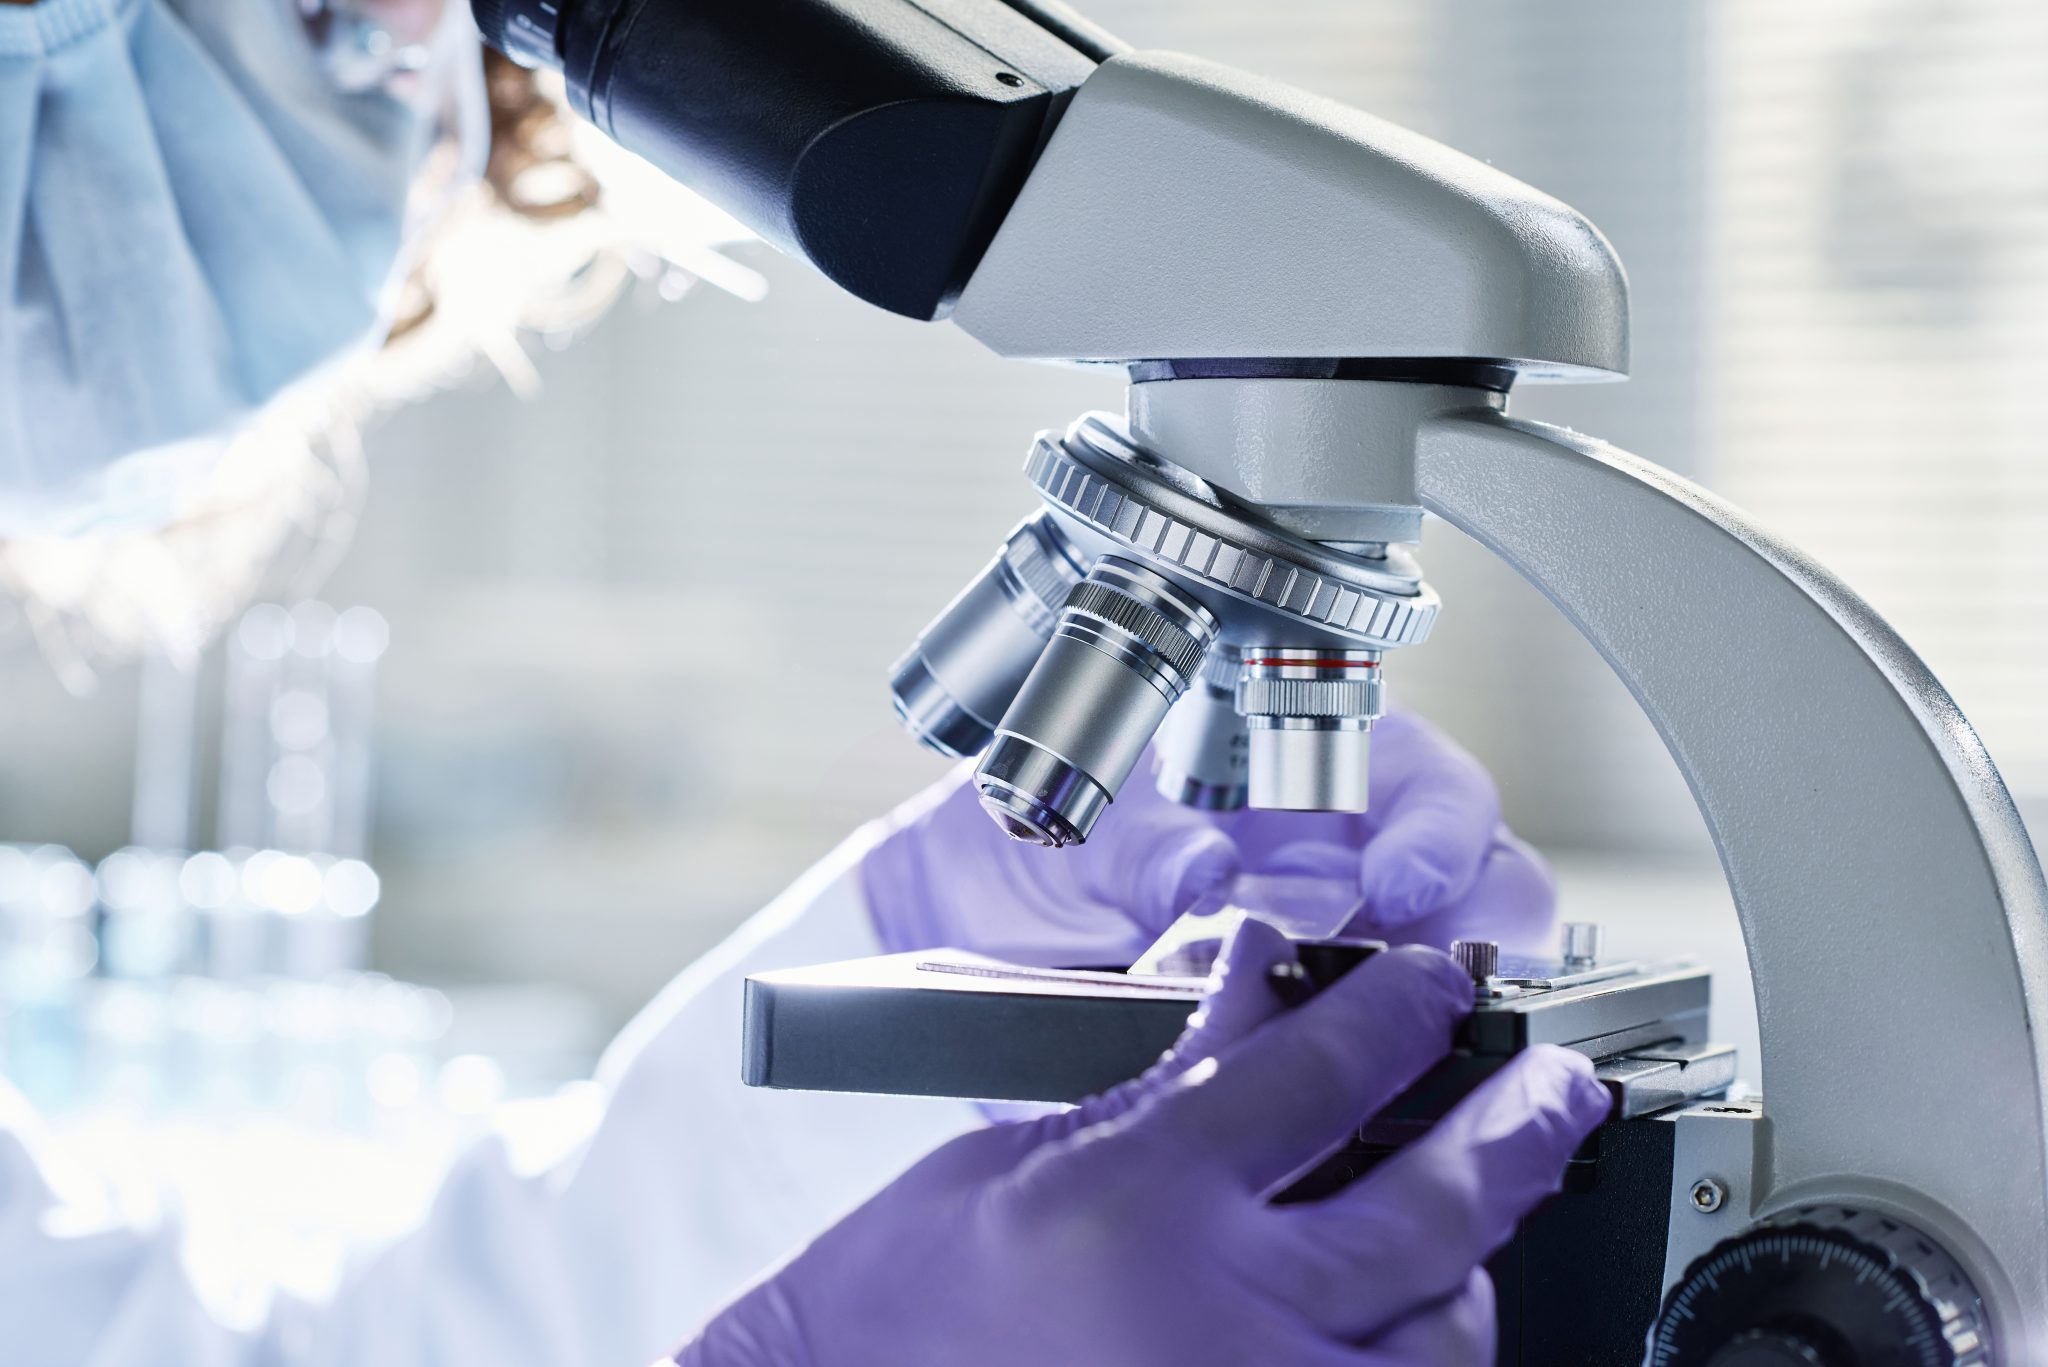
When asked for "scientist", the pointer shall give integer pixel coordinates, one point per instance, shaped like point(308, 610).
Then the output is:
point(193, 214)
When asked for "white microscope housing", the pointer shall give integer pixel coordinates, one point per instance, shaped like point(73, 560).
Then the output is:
point(1323, 315)
point(1293, 286)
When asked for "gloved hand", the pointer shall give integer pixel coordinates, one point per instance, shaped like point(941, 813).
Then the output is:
point(1135, 1230)
point(1432, 860)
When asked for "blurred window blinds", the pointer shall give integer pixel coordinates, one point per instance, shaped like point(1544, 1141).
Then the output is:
point(1875, 302)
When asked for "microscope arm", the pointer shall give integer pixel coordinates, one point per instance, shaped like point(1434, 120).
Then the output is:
point(1895, 915)
point(1322, 315)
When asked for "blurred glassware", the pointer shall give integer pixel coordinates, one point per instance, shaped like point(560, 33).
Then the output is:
point(47, 953)
point(232, 984)
point(296, 724)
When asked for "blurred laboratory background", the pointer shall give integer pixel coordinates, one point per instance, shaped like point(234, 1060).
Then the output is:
point(603, 666)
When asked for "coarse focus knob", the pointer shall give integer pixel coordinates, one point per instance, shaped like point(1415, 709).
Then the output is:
point(1823, 1286)
point(1769, 1348)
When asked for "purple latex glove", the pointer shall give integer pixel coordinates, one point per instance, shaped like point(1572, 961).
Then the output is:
point(1433, 863)
point(1136, 1230)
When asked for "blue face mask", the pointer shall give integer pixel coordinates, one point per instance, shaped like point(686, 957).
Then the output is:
point(193, 214)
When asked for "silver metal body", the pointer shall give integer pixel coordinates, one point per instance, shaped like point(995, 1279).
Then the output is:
point(1893, 907)
point(1582, 944)
point(1183, 209)
point(1894, 910)
point(963, 672)
point(1228, 217)
point(1205, 747)
point(1309, 713)
point(1275, 641)
point(1128, 644)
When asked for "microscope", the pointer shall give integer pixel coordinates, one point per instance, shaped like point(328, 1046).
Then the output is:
point(1322, 317)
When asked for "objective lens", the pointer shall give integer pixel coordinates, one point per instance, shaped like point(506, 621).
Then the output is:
point(1310, 715)
point(1127, 646)
point(1204, 749)
point(962, 673)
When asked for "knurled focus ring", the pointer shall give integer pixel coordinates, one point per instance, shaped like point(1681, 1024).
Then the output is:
point(1308, 697)
point(1220, 670)
point(1941, 1281)
point(1039, 568)
point(1181, 652)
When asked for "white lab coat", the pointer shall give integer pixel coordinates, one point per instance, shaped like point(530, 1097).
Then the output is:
point(689, 1186)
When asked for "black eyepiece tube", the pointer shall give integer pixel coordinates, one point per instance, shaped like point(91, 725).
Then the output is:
point(873, 138)
point(1071, 27)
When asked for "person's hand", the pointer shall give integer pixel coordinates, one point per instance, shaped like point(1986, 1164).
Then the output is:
point(1432, 860)
point(1137, 1229)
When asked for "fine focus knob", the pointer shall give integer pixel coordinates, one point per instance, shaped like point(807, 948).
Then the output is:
point(1823, 1286)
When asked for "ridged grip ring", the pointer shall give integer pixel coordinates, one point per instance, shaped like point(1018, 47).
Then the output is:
point(1929, 1274)
point(1309, 697)
point(1221, 667)
point(1142, 509)
point(1942, 1284)
point(1036, 559)
point(1181, 652)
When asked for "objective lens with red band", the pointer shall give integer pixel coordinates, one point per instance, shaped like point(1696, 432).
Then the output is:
point(1309, 715)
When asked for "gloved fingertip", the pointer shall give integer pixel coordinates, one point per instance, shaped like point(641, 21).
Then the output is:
point(1408, 903)
point(1239, 997)
point(1311, 859)
point(1240, 983)
point(1255, 948)
point(1592, 1103)
point(1401, 886)
point(1450, 986)
point(1209, 862)
point(1582, 1097)
point(1182, 872)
